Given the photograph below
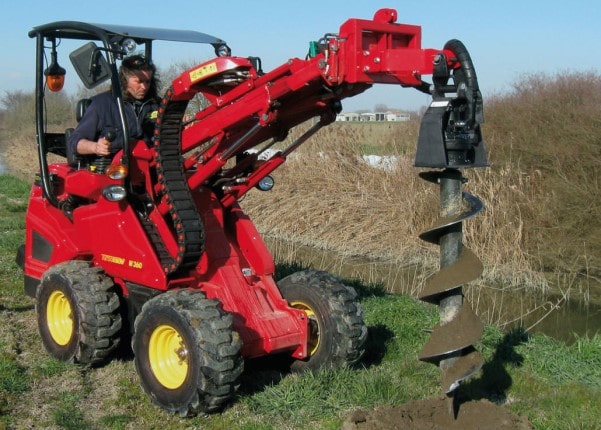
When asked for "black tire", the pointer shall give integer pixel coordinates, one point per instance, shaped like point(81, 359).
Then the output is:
point(186, 353)
point(78, 313)
point(337, 331)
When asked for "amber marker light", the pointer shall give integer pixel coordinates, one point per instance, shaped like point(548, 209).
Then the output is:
point(55, 74)
point(116, 171)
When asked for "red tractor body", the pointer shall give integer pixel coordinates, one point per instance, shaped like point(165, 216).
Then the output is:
point(236, 266)
point(158, 236)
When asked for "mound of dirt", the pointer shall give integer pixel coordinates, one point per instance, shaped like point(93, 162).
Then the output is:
point(433, 414)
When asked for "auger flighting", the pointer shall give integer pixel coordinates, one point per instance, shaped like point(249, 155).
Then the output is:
point(450, 139)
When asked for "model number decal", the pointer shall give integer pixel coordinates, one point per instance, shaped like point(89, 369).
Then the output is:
point(121, 261)
point(203, 71)
point(113, 259)
point(135, 264)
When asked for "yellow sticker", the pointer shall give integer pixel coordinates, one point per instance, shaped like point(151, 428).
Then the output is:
point(203, 71)
point(154, 114)
point(112, 259)
point(135, 264)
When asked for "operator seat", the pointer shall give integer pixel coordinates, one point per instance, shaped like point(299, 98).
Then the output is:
point(73, 159)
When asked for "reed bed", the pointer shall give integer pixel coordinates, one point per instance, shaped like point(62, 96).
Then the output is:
point(542, 191)
point(328, 197)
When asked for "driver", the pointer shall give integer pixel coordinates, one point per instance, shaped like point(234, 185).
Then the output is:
point(101, 119)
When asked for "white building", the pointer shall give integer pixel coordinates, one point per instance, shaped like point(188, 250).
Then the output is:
point(350, 116)
point(373, 116)
point(397, 116)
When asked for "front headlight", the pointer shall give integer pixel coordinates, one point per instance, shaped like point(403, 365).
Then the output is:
point(114, 193)
point(129, 45)
point(223, 51)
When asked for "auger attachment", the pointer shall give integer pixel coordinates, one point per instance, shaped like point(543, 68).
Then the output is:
point(450, 134)
point(450, 139)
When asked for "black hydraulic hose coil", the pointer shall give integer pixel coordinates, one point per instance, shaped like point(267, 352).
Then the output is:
point(468, 82)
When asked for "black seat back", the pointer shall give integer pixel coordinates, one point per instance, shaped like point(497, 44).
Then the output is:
point(73, 159)
point(81, 107)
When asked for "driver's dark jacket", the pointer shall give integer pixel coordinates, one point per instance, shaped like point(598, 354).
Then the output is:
point(102, 116)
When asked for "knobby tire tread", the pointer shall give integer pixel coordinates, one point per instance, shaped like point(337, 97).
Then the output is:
point(218, 347)
point(345, 312)
point(98, 308)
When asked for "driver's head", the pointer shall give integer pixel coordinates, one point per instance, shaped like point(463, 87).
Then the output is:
point(138, 78)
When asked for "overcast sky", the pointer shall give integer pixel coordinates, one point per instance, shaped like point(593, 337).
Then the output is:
point(506, 39)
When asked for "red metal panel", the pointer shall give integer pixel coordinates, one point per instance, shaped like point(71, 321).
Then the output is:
point(236, 268)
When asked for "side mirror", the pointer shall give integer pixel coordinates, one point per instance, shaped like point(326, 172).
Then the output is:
point(91, 66)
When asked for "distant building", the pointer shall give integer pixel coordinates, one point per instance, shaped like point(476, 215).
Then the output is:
point(373, 116)
point(351, 116)
point(397, 116)
point(369, 116)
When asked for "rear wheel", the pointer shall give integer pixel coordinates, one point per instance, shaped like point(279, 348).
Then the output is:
point(337, 333)
point(78, 313)
point(186, 353)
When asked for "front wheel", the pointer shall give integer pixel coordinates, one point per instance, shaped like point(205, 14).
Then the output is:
point(78, 313)
point(186, 354)
point(337, 333)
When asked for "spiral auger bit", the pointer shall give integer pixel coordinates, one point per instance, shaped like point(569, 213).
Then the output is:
point(450, 139)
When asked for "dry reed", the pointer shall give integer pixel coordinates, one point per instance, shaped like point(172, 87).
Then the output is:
point(328, 197)
point(541, 193)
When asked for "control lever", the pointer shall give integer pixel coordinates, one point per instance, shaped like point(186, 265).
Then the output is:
point(104, 161)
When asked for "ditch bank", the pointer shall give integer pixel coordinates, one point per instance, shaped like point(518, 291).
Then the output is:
point(565, 312)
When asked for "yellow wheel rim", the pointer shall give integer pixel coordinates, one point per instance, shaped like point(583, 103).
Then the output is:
point(168, 356)
point(59, 317)
point(313, 341)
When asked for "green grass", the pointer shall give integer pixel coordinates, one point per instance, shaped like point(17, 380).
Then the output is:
point(556, 386)
point(13, 376)
point(66, 416)
point(13, 203)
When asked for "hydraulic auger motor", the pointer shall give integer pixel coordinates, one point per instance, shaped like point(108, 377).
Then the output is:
point(450, 139)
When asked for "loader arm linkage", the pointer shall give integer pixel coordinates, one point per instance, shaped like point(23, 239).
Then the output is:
point(250, 110)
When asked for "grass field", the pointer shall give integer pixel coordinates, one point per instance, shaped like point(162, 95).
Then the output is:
point(555, 386)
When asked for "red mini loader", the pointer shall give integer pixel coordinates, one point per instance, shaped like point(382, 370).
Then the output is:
point(153, 243)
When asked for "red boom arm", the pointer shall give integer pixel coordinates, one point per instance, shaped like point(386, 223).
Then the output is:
point(247, 108)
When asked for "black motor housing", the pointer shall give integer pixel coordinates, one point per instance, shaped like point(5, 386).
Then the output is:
point(450, 135)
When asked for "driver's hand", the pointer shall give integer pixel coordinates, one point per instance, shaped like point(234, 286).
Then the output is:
point(102, 147)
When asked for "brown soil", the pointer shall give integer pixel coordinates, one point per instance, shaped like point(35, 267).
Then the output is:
point(433, 414)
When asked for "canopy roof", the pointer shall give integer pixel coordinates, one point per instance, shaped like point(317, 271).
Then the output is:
point(90, 31)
